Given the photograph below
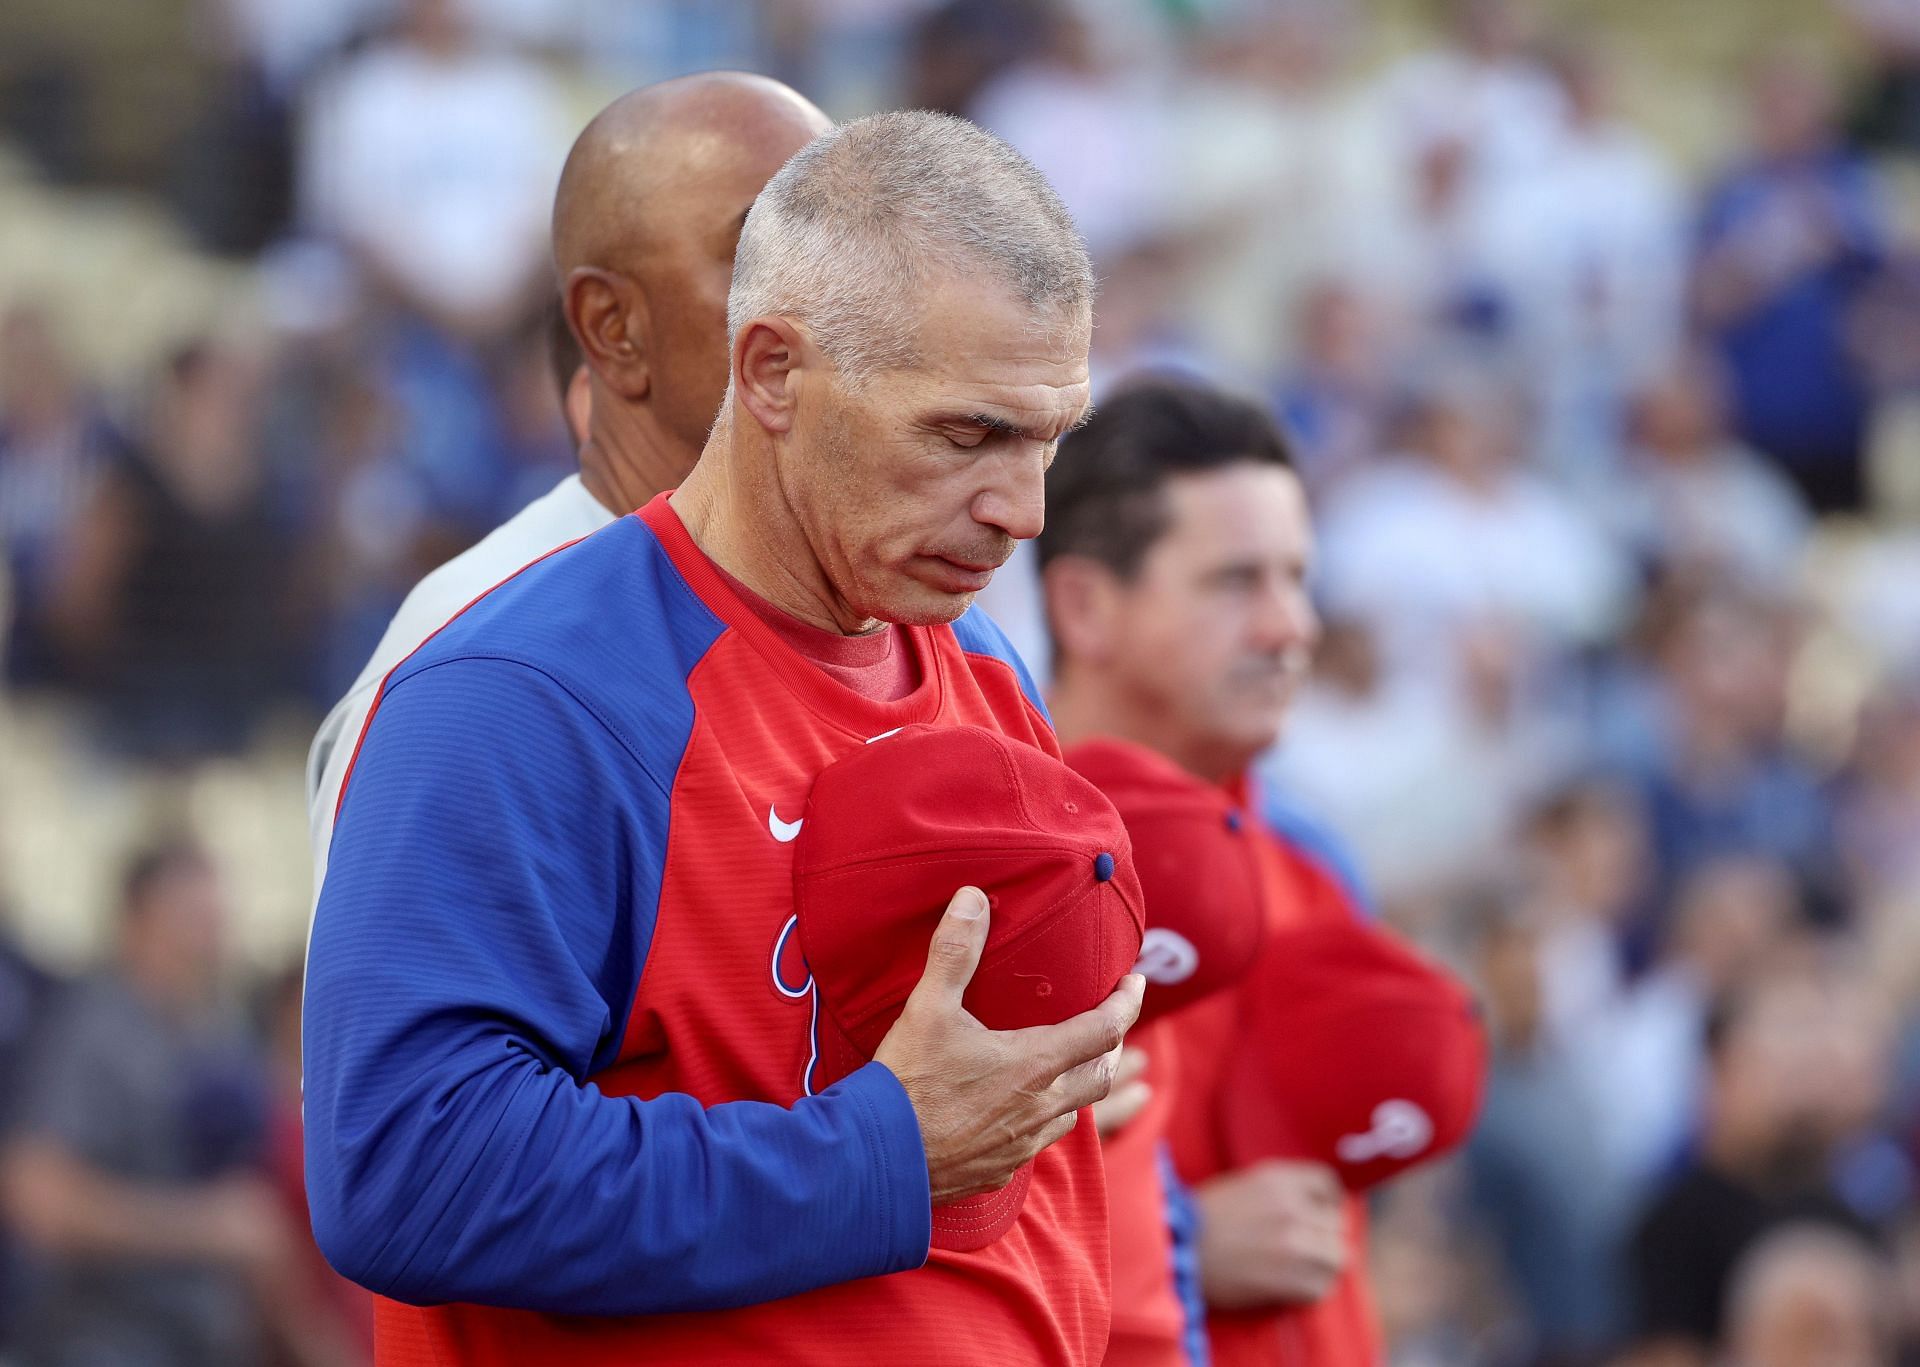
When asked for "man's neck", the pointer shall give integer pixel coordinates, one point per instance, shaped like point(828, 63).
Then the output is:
point(627, 459)
point(733, 508)
point(1083, 707)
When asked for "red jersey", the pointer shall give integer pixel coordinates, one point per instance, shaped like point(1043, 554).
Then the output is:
point(722, 1005)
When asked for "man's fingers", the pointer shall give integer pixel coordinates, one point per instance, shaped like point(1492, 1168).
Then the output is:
point(1057, 1129)
point(1086, 1083)
point(954, 952)
point(1323, 1183)
point(1056, 1049)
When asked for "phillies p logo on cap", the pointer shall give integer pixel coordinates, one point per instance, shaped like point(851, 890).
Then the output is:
point(1355, 1052)
point(1200, 874)
point(891, 831)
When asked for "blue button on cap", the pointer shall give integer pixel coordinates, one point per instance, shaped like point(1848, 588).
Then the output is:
point(1103, 866)
point(1233, 821)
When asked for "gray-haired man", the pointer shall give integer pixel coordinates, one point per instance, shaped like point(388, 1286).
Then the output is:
point(561, 877)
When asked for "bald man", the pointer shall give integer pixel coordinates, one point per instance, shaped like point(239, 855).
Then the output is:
point(648, 211)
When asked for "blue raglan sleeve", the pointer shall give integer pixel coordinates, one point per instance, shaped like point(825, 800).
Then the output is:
point(488, 904)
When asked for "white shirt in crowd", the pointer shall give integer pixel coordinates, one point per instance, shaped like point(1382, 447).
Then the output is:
point(565, 514)
point(440, 168)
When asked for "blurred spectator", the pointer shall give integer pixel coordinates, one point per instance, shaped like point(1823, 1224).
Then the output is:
point(286, 41)
point(1456, 534)
point(27, 996)
point(1090, 122)
point(176, 595)
point(1694, 503)
point(434, 159)
point(537, 450)
point(1639, 1050)
point(1289, 175)
point(1587, 842)
point(1810, 1296)
point(52, 446)
point(133, 1171)
point(1880, 804)
point(370, 523)
point(1369, 746)
point(1334, 399)
point(1763, 1161)
point(959, 46)
point(1592, 249)
point(1719, 776)
point(1888, 113)
point(1540, 1176)
point(1481, 91)
point(1790, 236)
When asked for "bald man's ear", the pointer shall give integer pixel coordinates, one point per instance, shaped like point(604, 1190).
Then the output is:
point(766, 360)
point(1084, 602)
point(608, 314)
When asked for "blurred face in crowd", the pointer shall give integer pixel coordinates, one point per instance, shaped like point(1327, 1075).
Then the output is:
point(1465, 440)
point(1678, 418)
point(1729, 915)
point(173, 933)
point(1807, 1297)
point(204, 426)
point(912, 487)
point(1765, 1112)
point(1594, 842)
point(1727, 663)
point(1793, 107)
point(1856, 1043)
point(1337, 331)
point(1490, 29)
point(1208, 640)
point(36, 385)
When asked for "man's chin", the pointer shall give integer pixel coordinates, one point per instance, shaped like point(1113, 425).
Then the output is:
point(925, 607)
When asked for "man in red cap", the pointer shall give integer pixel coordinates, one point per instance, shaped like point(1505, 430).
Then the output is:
point(561, 1096)
point(1174, 564)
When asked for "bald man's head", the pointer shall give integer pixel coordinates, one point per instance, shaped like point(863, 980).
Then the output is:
point(645, 222)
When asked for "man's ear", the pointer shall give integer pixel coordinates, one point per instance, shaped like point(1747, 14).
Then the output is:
point(1084, 608)
point(608, 314)
point(767, 355)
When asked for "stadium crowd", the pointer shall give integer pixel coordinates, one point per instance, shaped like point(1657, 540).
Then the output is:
point(1616, 471)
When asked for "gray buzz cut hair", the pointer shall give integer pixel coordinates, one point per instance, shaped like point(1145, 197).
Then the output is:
point(860, 216)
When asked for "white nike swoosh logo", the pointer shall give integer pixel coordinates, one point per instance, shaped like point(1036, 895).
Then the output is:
point(783, 831)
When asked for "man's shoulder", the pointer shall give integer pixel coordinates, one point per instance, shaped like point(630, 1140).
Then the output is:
point(981, 638)
point(1310, 842)
point(608, 618)
point(563, 515)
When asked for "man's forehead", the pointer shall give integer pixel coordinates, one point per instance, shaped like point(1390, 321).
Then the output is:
point(1246, 507)
point(984, 352)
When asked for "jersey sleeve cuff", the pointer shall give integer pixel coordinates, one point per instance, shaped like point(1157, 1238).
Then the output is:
point(901, 1195)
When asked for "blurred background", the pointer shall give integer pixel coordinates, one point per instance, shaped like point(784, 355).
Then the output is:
point(1597, 327)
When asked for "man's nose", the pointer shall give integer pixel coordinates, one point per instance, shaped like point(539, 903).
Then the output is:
point(1016, 501)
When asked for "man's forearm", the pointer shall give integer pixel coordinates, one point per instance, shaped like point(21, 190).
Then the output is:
point(69, 1207)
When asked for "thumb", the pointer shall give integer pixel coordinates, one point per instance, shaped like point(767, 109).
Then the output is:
point(955, 949)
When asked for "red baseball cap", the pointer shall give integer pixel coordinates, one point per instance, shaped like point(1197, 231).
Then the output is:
point(1194, 853)
point(1354, 1052)
point(891, 832)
